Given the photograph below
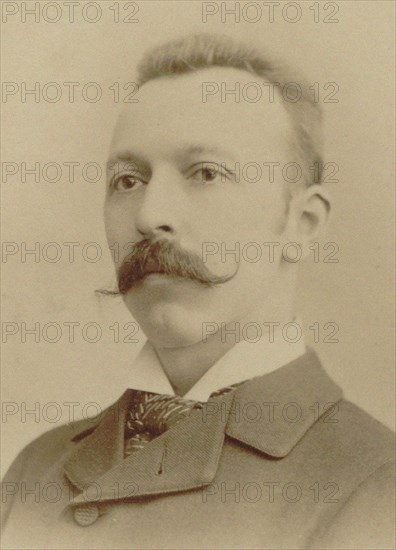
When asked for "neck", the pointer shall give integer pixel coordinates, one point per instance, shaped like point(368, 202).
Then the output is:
point(198, 358)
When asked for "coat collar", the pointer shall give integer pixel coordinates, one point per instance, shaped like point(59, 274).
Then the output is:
point(270, 413)
point(273, 412)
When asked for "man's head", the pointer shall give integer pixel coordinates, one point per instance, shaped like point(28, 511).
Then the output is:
point(190, 181)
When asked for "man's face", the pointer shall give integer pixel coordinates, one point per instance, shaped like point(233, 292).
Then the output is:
point(172, 176)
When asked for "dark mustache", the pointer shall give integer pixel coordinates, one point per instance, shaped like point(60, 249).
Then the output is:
point(164, 256)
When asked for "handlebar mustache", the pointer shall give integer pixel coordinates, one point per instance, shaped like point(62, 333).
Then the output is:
point(164, 256)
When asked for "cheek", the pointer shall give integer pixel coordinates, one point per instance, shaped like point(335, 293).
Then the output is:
point(234, 226)
point(119, 229)
point(116, 215)
point(258, 232)
point(266, 210)
point(261, 220)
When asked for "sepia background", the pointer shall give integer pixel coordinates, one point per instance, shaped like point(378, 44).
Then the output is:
point(356, 293)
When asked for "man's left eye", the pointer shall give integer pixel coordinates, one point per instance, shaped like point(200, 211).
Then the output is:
point(208, 175)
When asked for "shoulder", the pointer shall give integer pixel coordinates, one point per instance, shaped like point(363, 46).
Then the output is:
point(47, 448)
point(358, 431)
point(32, 463)
point(359, 451)
point(348, 444)
point(366, 519)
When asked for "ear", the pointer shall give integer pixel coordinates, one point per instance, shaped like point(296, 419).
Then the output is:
point(308, 215)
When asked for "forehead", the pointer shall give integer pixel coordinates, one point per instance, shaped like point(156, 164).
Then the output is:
point(178, 110)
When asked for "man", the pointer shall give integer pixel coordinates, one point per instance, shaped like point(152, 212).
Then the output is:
point(218, 442)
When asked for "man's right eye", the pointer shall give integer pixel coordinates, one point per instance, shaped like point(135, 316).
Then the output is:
point(126, 182)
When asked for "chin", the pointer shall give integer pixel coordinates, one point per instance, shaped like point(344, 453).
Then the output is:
point(169, 324)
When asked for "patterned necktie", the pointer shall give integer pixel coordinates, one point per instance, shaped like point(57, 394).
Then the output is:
point(151, 414)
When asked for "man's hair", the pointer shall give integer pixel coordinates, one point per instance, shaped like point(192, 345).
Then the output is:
point(203, 51)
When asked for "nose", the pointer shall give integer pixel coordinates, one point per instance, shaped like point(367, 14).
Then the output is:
point(159, 212)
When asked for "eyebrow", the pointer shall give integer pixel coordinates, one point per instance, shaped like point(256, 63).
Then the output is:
point(128, 156)
point(124, 156)
point(202, 149)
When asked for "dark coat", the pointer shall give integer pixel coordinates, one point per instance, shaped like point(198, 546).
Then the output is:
point(283, 462)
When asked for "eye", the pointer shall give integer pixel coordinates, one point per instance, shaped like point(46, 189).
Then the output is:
point(209, 174)
point(125, 182)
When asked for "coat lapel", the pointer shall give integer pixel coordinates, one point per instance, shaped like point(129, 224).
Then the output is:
point(100, 450)
point(270, 413)
point(184, 457)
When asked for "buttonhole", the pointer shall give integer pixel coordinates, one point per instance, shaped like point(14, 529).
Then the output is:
point(161, 468)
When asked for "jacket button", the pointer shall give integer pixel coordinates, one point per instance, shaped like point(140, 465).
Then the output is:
point(86, 515)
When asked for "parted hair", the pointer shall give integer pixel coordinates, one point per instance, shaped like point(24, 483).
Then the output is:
point(203, 51)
